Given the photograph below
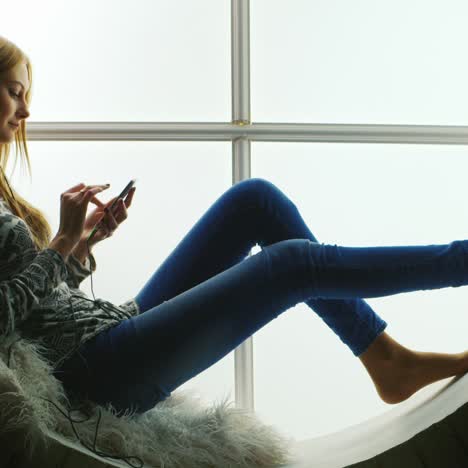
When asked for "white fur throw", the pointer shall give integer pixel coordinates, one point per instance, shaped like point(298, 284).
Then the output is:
point(178, 432)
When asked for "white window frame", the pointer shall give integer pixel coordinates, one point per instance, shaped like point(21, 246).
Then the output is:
point(241, 131)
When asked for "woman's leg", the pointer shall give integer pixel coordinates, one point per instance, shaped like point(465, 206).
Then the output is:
point(252, 212)
point(139, 362)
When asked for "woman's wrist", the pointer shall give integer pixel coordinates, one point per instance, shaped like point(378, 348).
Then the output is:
point(62, 245)
point(80, 251)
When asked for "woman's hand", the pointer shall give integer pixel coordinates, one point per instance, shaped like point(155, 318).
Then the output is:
point(73, 207)
point(108, 222)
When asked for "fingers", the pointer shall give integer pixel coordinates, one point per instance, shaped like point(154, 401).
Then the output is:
point(101, 204)
point(112, 219)
point(128, 200)
point(75, 188)
point(110, 223)
point(89, 193)
point(81, 187)
point(118, 209)
point(122, 205)
point(123, 208)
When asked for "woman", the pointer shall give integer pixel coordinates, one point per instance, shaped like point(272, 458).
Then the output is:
point(208, 296)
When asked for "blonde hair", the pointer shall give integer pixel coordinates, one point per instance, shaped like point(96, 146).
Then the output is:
point(10, 57)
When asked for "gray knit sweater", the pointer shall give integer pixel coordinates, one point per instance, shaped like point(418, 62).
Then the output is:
point(40, 297)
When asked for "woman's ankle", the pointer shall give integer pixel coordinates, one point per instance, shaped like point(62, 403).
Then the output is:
point(384, 347)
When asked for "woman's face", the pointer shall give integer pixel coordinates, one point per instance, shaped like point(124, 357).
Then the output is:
point(13, 108)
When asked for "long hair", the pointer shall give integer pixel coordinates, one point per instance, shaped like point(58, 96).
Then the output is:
point(10, 57)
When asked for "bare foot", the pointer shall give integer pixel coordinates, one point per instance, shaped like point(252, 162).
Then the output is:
point(397, 379)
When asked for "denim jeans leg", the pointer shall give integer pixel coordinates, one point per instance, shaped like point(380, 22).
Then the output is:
point(352, 319)
point(143, 359)
point(253, 212)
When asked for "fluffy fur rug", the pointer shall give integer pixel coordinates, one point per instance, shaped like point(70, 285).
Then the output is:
point(178, 432)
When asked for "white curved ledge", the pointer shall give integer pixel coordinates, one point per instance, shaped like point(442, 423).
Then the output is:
point(337, 450)
point(381, 433)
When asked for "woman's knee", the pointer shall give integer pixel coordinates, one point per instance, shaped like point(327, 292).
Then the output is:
point(257, 186)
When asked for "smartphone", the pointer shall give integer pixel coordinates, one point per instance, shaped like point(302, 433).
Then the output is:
point(122, 195)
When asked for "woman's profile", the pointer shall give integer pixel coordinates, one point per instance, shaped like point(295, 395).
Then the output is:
point(208, 296)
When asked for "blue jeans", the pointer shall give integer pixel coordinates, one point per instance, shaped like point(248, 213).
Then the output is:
point(208, 297)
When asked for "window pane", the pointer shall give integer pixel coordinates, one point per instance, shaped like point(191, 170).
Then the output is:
point(169, 200)
point(358, 195)
point(93, 61)
point(359, 62)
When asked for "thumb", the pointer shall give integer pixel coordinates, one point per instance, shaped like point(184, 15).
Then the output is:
point(99, 203)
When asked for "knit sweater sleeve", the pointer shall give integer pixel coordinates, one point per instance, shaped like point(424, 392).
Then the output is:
point(77, 272)
point(25, 289)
